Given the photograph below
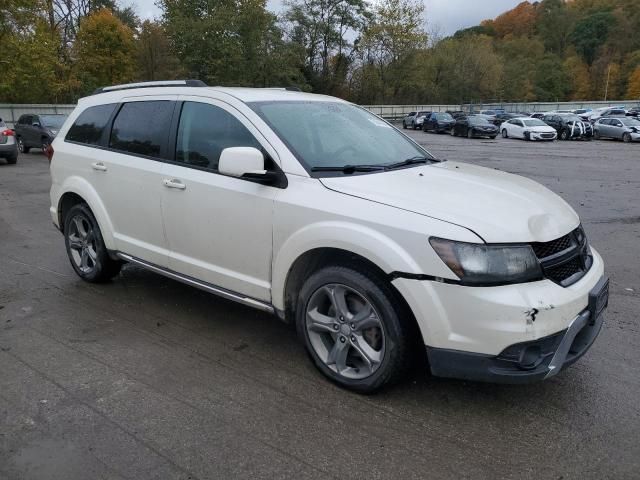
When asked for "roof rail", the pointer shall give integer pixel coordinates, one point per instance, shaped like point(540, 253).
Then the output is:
point(162, 83)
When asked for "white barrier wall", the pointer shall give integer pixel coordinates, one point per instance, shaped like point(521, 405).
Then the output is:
point(11, 113)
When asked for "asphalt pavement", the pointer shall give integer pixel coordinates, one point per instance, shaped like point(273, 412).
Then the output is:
point(146, 378)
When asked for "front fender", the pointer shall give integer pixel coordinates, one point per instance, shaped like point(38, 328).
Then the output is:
point(84, 189)
point(376, 247)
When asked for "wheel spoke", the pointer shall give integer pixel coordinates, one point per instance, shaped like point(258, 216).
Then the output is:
point(318, 322)
point(370, 356)
point(74, 242)
point(84, 258)
point(80, 228)
point(338, 296)
point(338, 355)
point(365, 318)
point(92, 254)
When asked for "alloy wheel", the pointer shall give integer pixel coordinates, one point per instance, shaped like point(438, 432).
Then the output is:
point(82, 244)
point(345, 331)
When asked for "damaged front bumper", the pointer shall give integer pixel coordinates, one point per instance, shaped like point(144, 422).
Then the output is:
point(472, 332)
point(528, 361)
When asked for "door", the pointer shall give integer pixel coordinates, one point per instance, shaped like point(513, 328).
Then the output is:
point(128, 175)
point(617, 129)
point(27, 130)
point(604, 127)
point(219, 228)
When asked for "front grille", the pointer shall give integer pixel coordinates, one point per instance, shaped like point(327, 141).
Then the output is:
point(566, 259)
point(546, 249)
point(547, 135)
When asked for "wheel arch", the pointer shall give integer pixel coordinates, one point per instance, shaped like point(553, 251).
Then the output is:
point(77, 190)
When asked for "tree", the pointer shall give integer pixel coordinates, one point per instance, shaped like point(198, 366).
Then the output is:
point(104, 50)
point(590, 33)
point(321, 29)
point(633, 88)
point(390, 42)
point(551, 82)
point(578, 72)
point(153, 54)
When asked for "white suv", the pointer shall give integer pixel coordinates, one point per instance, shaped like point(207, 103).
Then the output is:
point(318, 211)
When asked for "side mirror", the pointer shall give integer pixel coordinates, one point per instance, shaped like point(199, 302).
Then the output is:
point(35, 124)
point(239, 161)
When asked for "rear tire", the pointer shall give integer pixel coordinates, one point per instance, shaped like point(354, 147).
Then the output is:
point(327, 311)
point(85, 247)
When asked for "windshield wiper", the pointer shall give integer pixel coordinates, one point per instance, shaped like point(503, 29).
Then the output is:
point(408, 162)
point(350, 168)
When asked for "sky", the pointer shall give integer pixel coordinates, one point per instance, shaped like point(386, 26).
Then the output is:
point(445, 16)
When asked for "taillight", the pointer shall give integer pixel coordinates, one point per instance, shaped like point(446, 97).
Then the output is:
point(8, 133)
point(49, 152)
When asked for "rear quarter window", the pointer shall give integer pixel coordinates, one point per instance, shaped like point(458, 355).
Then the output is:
point(90, 125)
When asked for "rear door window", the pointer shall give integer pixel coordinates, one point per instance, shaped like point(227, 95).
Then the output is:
point(90, 125)
point(142, 128)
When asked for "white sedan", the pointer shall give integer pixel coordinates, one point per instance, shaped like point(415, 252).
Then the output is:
point(528, 129)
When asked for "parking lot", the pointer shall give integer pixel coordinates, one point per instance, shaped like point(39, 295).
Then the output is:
point(147, 378)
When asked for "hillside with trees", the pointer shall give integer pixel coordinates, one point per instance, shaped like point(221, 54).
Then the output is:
point(58, 50)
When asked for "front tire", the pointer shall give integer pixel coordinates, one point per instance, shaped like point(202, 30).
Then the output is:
point(504, 133)
point(564, 134)
point(22, 148)
point(626, 138)
point(352, 329)
point(85, 247)
point(404, 125)
point(470, 133)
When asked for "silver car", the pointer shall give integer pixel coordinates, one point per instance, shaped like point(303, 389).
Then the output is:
point(8, 146)
point(626, 129)
point(414, 120)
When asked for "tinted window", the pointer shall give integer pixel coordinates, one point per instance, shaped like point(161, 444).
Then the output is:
point(52, 121)
point(25, 120)
point(206, 130)
point(411, 114)
point(90, 125)
point(142, 127)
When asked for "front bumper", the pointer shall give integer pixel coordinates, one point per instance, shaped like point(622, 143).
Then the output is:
point(543, 136)
point(522, 363)
point(482, 323)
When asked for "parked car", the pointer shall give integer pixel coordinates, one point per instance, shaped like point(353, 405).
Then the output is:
point(414, 120)
point(503, 117)
point(606, 112)
point(569, 126)
point(528, 129)
point(626, 129)
point(438, 122)
point(456, 113)
point(634, 112)
point(474, 126)
point(37, 131)
point(538, 115)
point(322, 213)
point(583, 113)
point(8, 146)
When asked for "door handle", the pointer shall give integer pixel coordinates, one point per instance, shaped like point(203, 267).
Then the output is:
point(174, 183)
point(99, 166)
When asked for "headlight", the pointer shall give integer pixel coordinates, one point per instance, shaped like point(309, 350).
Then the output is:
point(479, 264)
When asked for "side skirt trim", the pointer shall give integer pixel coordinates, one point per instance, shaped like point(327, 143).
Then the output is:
point(207, 287)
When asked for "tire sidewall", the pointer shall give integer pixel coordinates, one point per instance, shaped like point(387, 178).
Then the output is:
point(383, 305)
point(101, 250)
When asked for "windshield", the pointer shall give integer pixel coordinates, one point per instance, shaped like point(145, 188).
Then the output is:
point(571, 118)
point(479, 121)
point(445, 117)
point(335, 134)
point(534, 122)
point(630, 122)
point(52, 121)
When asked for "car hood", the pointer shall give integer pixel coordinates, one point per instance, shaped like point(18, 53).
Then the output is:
point(541, 129)
point(497, 206)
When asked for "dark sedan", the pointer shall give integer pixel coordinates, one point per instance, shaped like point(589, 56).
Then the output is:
point(474, 126)
point(438, 122)
point(503, 117)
